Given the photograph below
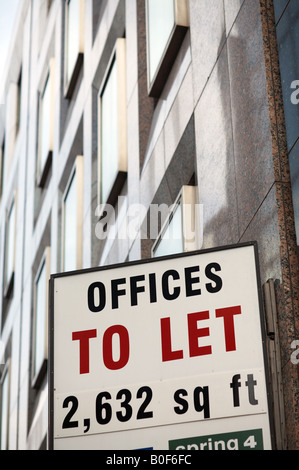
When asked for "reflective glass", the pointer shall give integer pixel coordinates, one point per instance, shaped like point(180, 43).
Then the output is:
point(10, 248)
point(288, 39)
point(160, 25)
point(45, 125)
point(287, 18)
point(294, 169)
point(73, 31)
point(40, 319)
point(70, 227)
point(2, 152)
point(109, 134)
point(172, 239)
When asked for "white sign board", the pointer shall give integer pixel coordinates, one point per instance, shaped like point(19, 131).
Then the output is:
point(161, 354)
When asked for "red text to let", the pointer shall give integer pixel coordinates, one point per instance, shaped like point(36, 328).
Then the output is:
point(194, 332)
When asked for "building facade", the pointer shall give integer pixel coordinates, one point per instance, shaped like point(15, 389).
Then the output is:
point(126, 127)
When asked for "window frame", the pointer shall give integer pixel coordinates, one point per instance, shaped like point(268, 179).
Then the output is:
point(117, 58)
point(19, 101)
point(175, 39)
point(5, 375)
point(2, 167)
point(43, 167)
point(9, 277)
point(188, 195)
point(11, 123)
point(78, 170)
point(38, 373)
point(70, 77)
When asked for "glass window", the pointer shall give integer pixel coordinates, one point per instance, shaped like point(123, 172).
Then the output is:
point(113, 127)
point(19, 101)
point(167, 24)
point(11, 123)
point(2, 168)
point(287, 40)
point(4, 410)
point(74, 38)
point(10, 244)
point(109, 134)
point(183, 229)
point(294, 170)
point(45, 137)
point(171, 240)
point(72, 219)
point(45, 125)
point(160, 25)
point(70, 226)
point(40, 315)
point(287, 19)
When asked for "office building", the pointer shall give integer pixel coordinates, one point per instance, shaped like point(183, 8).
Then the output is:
point(111, 109)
